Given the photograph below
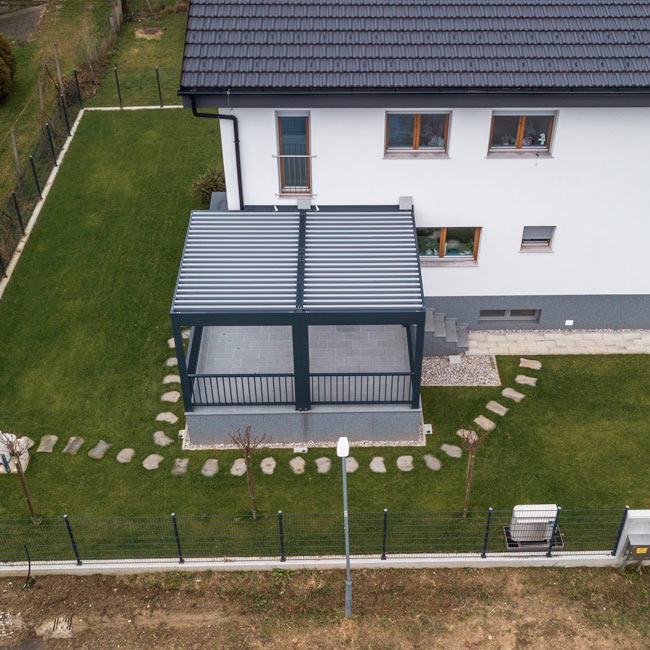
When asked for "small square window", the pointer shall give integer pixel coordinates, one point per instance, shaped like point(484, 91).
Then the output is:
point(426, 132)
point(537, 238)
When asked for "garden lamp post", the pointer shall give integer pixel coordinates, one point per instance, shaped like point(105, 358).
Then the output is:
point(343, 451)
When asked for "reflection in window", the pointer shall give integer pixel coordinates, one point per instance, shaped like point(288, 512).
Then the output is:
point(416, 131)
point(521, 132)
point(448, 243)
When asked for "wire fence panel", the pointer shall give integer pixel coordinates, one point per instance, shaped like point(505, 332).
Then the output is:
point(383, 534)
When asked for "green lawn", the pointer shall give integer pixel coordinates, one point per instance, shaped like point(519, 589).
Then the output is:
point(85, 323)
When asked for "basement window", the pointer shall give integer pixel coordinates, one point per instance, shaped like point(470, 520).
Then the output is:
point(510, 314)
point(537, 238)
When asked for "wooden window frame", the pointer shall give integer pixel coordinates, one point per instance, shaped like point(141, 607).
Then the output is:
point(415, 144)
point(288, 189)
point(443, 241)
point(521, 127)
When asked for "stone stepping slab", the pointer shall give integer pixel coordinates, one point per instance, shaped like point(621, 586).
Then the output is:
point(351, 465)
point(432, 462)
point(513, 394)
point(167, 416)
point(238, 467)
point(171, 343)
point(152, 461)
point(467, 435)
point(297, 465)
point(405, 463)
point(27, 442)
point(171, 362)
point(497, 408)
point(125, 456)
point(485, 423)
point(452, 450)
point(531, 364)
point(47, 444)
point(323, 465)
point(99, 450)
point(267, 465)
point(171, 379)
point(210, 467)
point(525, 380)
point(171, 396)
point(73, 445)
point(377, 465)
point(186, 333)
point(180, 466)
point(161, 439)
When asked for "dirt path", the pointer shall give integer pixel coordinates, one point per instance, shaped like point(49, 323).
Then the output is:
point(505, 609)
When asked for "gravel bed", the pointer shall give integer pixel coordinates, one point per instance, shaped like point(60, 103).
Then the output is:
point(473, 370)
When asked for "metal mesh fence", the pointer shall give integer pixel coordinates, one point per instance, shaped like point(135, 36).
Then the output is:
point(382, 534)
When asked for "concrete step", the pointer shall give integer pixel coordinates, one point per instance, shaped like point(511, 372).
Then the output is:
point(439, 326)
point(428, 321)
point(451, 333)
point(463, 339)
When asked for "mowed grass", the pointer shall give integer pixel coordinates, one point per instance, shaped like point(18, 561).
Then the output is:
point(85, 322)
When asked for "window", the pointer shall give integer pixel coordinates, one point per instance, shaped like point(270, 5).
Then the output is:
point(450, 244)
point(521, 132)
point(293, 154)
point(509, 314)
point(537, 238)
point(417, 132)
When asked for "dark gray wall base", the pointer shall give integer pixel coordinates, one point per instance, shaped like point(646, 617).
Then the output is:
point(282, 426)
point(587, 312)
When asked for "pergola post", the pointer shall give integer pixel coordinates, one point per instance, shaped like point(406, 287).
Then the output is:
point(300, 339)
point(186, 388)
point(416, 362)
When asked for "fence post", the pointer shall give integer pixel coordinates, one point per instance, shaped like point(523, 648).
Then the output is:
point(117, 84)
point(20, 216)
point(620, 529)
point(38, 185)
point(65, 115)
point(486, 538)
point(283, 557)
point(550, 543)
point(384, 535)
point(48, 132)
point(76, 80)
point(181, 560)
point(159, 92)
point(72, 540)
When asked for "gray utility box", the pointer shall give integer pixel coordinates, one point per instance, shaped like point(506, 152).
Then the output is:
point(638, 547)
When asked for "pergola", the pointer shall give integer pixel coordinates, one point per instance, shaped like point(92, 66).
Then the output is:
point(327, 266)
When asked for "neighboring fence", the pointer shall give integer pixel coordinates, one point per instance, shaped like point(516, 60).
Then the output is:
point(284, 536)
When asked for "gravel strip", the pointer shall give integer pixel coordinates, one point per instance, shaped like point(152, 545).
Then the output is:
point(473, 370)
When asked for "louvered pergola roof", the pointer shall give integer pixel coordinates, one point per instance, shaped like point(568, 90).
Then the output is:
point(331, 260)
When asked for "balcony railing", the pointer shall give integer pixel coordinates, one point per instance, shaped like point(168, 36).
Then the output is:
point(238, 390)
point(361, 388)
point(295, 173)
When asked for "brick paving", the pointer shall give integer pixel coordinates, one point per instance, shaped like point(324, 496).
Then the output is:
point(536, 342)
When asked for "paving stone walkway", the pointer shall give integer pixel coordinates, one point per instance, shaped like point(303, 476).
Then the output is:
point(537, 342)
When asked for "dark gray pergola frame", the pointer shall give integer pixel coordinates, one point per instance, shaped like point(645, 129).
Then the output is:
point(409, 313)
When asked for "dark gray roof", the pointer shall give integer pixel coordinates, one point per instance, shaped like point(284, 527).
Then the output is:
point(416, 44)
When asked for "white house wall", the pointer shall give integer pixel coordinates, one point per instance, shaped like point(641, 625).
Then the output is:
point(594, 189)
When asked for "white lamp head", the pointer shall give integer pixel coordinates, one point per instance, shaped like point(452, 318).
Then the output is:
point(343, 447)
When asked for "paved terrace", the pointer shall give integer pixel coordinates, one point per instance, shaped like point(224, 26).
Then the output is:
point(534, 342)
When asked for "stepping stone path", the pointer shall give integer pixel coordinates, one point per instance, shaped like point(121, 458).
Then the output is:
point(351, 465)
point(47, 444)
point(171, 379)
point(180, 466)
point(171, 362)
point(238, 467)
point(513, 394)
point(497, 408)
point(152, 461)
point(452, 450)
point(468, 435)
point(526, 380)
point(268, 465)
point(323, 465)
point(167, 416)
point(377, 465)
point(125, 456)
point(98, 451)
point(432, 462)
point(171, 396)
point(485, 423)
point(26, 442)
point(73, 446)
point(161, 439)
point(463, 433)
point(171, 343)
point(297, 465)
point(531, 364)
point(405, 463)
point(186, 334)
point(210, 467)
